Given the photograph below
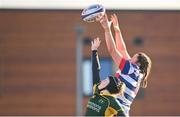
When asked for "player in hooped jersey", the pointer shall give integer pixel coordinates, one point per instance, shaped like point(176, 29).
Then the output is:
point(133, 71)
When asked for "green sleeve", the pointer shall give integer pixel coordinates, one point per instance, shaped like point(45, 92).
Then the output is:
point(95, 67)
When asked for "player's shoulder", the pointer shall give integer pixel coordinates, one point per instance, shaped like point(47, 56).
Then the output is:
point(110, 98)
point(129, 67)
point(113, 102)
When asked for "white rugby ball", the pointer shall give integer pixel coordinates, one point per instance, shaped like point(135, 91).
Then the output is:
point(90, 13)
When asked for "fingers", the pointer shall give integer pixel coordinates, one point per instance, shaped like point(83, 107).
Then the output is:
point(95, 43)
point(115, 22)
point(114, 15)
point(98, 18)
point(105, 15)
point(114, 18)
point(92, 42)
point(103, 19)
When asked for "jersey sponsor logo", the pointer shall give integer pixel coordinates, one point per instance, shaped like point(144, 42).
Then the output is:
point(101, 101)
point(94, 106)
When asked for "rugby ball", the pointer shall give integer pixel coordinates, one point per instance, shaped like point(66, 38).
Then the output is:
point(90, 13)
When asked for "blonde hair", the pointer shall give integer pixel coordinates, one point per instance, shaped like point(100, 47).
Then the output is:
point(145, 67)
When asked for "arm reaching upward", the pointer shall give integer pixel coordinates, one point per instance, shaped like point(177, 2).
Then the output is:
point(116, 55)
point(95, 61)
point(118, 37)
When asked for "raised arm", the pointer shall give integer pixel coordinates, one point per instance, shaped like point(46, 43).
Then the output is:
point(95, 61)
point(116, 55)
point(118, 37)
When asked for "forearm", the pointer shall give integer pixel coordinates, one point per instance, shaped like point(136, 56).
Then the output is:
point(95, 67)
point(119, 41)
point(109, 41)
point(115, 54)
point(120, 44)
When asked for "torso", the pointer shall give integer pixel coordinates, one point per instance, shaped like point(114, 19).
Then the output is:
point(97, 106)
point(103, 105)
point(132, 78)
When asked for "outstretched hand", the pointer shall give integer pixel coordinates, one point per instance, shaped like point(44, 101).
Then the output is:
point(106, 24)
point(115, 22)
point(95, 44)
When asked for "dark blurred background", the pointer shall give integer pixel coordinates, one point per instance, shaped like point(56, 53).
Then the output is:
point(38, 59)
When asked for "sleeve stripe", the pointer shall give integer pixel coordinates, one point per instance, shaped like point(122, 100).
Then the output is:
point(122, 64)
point(117, 75)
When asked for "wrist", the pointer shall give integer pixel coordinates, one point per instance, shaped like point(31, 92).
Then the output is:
point(107, 29)
point(117, 31)
point(94, 51)
point(94, 48)
point(116, 28)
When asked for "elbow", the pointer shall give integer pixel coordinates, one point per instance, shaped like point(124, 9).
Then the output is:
point(112, 50)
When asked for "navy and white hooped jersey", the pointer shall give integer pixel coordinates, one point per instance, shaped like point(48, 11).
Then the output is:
point(128, 73)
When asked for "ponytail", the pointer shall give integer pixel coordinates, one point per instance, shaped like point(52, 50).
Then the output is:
point(144, 82)
point(145, 67)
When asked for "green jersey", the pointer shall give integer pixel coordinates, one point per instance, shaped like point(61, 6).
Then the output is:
point(103, 105)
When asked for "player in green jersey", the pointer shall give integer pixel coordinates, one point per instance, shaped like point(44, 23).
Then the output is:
point(103, 102)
